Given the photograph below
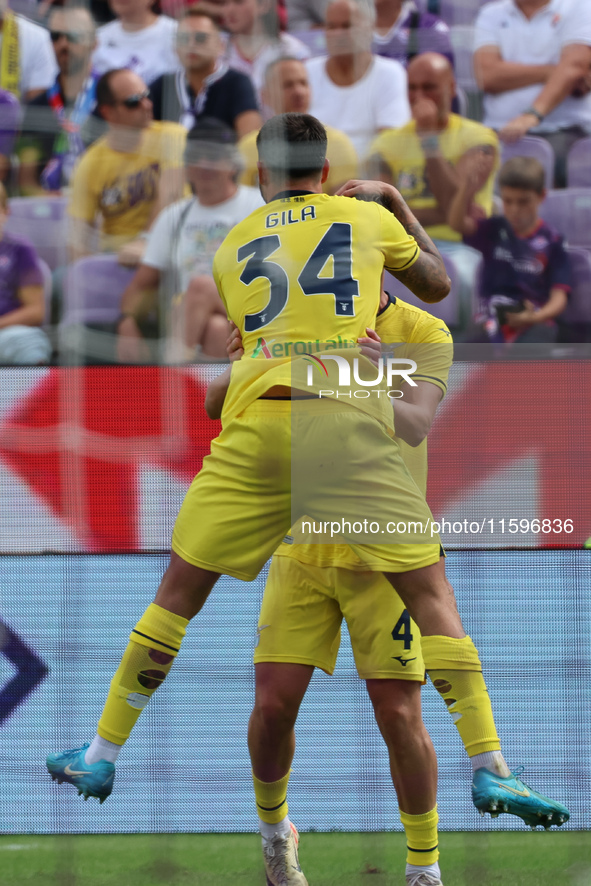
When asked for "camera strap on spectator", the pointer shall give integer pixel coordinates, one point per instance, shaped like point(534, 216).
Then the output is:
point(10, 66)
point(192, 108)
point(68, 145)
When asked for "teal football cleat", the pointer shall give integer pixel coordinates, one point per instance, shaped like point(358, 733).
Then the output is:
point(91, 779)
point(494, 794)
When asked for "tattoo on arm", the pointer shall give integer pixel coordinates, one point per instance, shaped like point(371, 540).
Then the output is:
point(427, 277)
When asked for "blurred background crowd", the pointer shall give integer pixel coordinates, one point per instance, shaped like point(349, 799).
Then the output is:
point(127, 152)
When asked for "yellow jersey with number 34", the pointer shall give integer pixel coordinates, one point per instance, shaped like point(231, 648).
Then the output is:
point(302, 275)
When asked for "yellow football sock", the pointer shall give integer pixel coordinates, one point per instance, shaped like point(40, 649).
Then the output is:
point(153, 646)
point(421, 837)
point(271, 799)
point(456, 672)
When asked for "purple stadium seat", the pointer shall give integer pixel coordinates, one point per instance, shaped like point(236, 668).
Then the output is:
point(532, 146)
point(578, 309)
point(462, 39)
point(314, 39)
point(578, 164)
point(569, 211)
point(43, 221)
point(47, 290)
point(448, 310)
point(92, 290)
point(459, 12)
point(10, 115)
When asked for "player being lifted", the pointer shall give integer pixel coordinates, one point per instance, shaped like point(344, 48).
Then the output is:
point(312, 587)
point(240, 506)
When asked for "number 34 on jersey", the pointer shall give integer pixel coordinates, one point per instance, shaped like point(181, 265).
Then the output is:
point(309, 267)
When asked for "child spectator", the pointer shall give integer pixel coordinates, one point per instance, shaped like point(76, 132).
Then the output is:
point(22, 306)
point(525, 276)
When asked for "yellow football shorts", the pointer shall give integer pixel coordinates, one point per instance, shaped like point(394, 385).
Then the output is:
point(273, 464)
point(301, 614)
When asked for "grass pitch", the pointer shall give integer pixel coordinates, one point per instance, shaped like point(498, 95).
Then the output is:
point(337, 859)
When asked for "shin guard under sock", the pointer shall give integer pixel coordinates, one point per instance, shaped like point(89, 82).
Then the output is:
point(153, 646)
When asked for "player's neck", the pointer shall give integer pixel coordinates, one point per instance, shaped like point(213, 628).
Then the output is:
point(277, 189)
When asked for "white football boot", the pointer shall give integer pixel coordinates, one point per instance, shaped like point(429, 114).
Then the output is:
point(281, 860)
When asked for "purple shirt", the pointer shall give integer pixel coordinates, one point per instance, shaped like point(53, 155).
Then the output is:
point(19, 266)
point(417, 32)
point(520, 267)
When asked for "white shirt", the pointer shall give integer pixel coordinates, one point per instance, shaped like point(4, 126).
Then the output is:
point(186, 236)
point(286, 44)
point(37, 60)
point(378, 101)
point(149, 53)
point(537, 41)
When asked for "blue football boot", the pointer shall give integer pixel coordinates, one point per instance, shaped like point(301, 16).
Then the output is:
point(494, 794)
point(91, 779)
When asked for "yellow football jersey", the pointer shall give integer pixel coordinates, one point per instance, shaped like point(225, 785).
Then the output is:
point(433, 352)
point(122, 187)
point(342, 156)
point(302, 275)
point(401, 150)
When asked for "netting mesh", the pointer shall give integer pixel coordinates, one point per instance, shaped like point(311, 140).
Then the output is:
point(88, 492)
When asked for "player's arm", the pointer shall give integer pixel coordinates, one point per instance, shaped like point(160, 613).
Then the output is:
point(413, 415)
point(427, 276)
point(218, 388)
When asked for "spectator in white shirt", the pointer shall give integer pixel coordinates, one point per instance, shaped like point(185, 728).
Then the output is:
point(138, 39)
point(533, 60)
point(352, 89)
point(255, 39)
point(34, 67)
point(179, 256)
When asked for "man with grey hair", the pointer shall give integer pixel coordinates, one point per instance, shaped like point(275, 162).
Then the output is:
point(353, 89)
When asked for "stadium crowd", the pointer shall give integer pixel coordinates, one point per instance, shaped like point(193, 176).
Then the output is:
point(129, 130)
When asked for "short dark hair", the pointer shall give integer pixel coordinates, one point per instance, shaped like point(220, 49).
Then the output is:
point(292, 146)
point(526, 173)
point(104, 92)
point(196, 12)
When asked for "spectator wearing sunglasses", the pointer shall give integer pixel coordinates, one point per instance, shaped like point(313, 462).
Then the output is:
point(206, 86)
point(138, 39)
point(27, 64)
point(127, 176)
point(58, 124)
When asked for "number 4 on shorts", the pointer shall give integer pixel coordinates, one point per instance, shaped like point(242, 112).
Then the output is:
point(401, 630)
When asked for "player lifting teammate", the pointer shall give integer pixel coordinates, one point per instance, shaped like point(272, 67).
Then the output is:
point(239, 506)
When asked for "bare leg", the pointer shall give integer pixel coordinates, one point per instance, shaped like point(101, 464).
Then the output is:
point(216, 333)
point(413, 764)
point(279, 690)
point(430, 600)
point(200, 303)
point(184, 588)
